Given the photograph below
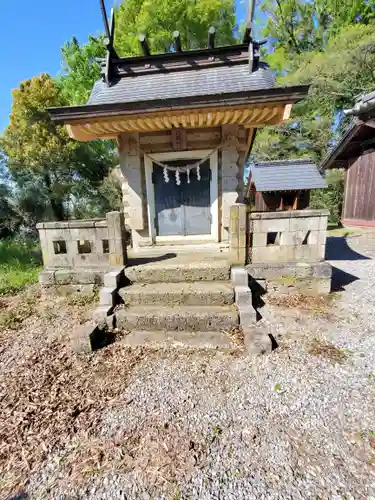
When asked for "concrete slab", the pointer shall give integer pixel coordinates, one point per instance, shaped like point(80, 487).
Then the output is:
point(180, 340)
point(183, 318)
point(177, 268)
point(203, 293)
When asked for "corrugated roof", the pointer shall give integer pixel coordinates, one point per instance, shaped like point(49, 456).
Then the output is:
point(180, 84)
point(286, 175)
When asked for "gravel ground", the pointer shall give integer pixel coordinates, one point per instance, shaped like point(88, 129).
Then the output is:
point(298, 423)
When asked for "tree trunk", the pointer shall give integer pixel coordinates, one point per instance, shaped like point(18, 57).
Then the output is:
point(57, 206)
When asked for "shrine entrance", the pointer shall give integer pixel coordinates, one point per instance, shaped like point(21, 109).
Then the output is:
point(183, 198)
point(182, 208)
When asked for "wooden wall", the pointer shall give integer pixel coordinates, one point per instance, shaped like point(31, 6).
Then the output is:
point(359, 199)
point(270, 202)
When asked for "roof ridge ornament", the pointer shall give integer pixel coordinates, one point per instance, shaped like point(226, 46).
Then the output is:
point(254, 45)
point(109, 28)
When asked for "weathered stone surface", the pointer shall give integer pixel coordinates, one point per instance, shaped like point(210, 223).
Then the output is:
point(289, 214)
point(289, 269)
point(107, 296)
point(243, 296)
point(260, 239)
point(273, 253)
point(183, 318)
point(175, 273)
point(203, 293)
point(257, 341)
point(180, 339)
point(305, 224)
point(63, 277)
point(270, 225)
point(305, 286)
point(239, 276)
point(101, 313)
point(81, 338)
point(321, 270)
point(46, 278)
point(65, 290)
point(323, 223)
point(248, 316)
point(114, 279)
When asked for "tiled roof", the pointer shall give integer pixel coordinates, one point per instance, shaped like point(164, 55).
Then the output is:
point(180, 84)
point(286, 175)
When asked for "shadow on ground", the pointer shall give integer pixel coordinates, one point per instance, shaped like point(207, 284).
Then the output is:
point(138, 261)
point(337, 248)
point(340, 279)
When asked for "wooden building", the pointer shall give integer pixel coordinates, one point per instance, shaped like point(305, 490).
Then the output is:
point(355, 152)
point(185, 123)
point(282, 185)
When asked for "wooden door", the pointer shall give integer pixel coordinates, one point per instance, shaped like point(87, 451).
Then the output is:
point(183, 209)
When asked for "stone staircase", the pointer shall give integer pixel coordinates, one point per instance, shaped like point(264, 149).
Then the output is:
point(190, 298)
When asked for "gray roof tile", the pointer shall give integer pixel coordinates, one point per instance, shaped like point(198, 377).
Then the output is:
point(203, 81)
point(286, 175)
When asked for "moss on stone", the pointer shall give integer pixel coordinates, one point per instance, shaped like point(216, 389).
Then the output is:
point(289, 280)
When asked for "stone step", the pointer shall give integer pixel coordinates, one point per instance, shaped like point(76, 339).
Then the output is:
point(180, 340)
point(203, 293)
point(181, 318)
point(210, 270)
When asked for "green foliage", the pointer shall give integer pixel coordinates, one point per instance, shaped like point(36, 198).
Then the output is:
point(337, 75)
point(81, 69)
point(33, 142)
point(20, 263)
point(159, 19)
point(9, 219)
point(332, 197)
point(50, 170)
point(297, 26)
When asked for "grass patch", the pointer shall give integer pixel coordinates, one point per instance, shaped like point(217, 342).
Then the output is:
point(328, 351)
point(20, 263)
point(344, 233)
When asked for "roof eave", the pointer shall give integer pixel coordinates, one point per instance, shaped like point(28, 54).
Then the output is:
point(71, 114)
point(330, 158)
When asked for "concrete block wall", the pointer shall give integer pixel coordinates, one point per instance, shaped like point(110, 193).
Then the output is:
point(291, 236)
point(97, 243)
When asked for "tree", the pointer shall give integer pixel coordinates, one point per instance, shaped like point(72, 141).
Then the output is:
point(9, 220)
point(32, 141)
point(297, 26)
point(337, 75)
point(41, 157)
point(332, 197)
point(159, 19)
point(81, 69)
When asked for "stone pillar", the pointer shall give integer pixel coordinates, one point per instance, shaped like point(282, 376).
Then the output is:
point(116, 239)
point(132, 182)
point(237, 234)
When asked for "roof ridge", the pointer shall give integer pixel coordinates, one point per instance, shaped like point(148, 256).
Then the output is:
point(284, 162)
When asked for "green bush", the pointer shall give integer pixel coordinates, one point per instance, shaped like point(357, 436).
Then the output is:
point(331, 197)
point(20, 262)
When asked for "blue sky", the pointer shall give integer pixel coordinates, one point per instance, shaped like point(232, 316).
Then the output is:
point(32, 33)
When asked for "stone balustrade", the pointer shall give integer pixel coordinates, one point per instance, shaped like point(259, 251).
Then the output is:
point(291, 236)
point(81, 251)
